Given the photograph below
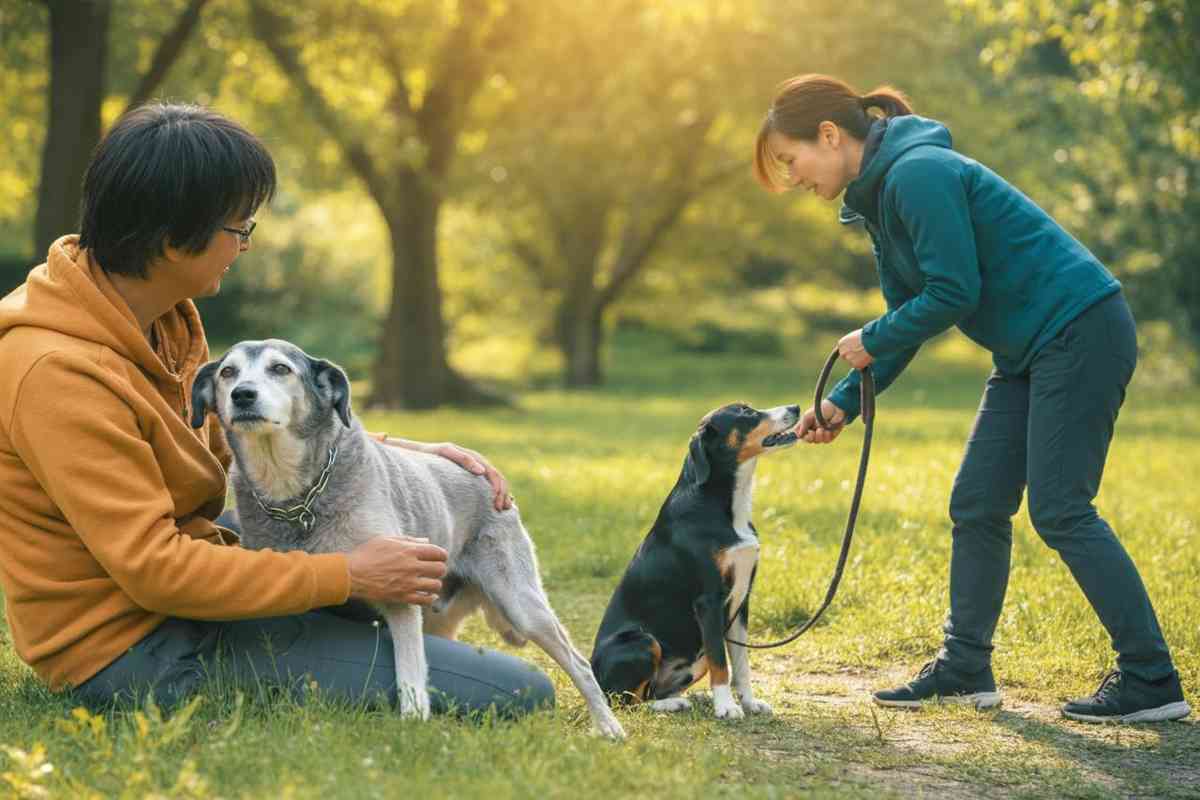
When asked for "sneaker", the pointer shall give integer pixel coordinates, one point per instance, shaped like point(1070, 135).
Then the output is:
point(1123, 697)
point(941, 683)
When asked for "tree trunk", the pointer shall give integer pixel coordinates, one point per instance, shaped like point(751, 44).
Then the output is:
point(78, 51)
point(412, 370)
point(581, 335)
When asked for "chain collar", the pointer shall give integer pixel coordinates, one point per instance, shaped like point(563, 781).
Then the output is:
point(303, 512)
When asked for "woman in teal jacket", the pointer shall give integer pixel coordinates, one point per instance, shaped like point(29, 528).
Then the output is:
point(955, 244)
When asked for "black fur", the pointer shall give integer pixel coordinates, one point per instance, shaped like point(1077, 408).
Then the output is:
point(204, 393)
point(672, 602)
point(331, 382)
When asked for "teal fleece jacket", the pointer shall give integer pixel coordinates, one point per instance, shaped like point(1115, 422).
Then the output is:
point(956, 244)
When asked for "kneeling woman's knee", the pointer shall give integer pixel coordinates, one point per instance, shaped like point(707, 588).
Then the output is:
point(538, 694)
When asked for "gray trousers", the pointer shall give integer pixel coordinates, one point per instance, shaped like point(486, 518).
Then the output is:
point(345, 658)
point(1050, 429)
point(346, 651)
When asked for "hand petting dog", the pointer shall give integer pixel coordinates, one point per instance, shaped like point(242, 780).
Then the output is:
point(469, 460)
point(387, 570)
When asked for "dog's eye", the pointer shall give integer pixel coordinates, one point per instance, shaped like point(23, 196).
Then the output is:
point(281, 369)
point(228, 372)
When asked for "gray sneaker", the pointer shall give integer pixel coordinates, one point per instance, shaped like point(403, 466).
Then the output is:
point(938, 682)
point(1123, 697)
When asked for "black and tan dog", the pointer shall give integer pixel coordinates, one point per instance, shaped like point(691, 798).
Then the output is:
point(689, 584)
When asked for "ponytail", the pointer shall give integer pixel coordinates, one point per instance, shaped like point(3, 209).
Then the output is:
point(888, 99)
point(802, 103)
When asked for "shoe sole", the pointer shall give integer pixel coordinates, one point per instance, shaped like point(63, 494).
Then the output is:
point(1171, 711)
point(980, 700)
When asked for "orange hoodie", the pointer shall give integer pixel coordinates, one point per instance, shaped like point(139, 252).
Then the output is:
point(107, 495)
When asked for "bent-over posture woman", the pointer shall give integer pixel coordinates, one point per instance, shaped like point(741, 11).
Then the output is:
point(955, 244)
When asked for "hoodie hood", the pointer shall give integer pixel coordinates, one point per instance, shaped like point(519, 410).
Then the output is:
point(887, 140)
point(71, 295)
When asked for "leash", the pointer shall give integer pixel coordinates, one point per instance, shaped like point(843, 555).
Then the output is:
point(867, 405)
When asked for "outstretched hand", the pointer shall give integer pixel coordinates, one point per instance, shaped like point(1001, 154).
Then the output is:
point(809, 431)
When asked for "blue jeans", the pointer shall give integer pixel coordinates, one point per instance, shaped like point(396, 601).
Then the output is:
point(1050, 429)
point(350, 660)
point(346, 650)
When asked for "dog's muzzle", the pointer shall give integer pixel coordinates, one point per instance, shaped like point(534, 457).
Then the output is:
point(777, 439)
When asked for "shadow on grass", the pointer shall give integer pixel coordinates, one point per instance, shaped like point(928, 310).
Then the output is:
point(1168, 766)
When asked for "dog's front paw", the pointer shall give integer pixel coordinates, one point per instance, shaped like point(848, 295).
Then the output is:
point(672, 704)
point(752, 706)
point(724, 706)
point(609, 728)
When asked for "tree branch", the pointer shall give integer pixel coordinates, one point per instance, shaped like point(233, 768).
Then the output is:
point(169, 49)
point(271, 29)
point(638, 243)
point(529, 255)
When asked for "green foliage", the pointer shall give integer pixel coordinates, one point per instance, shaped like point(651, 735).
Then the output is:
point(1116, 86)
point(590, 471)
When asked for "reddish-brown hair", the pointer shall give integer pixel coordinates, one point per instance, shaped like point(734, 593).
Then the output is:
point(802, 103)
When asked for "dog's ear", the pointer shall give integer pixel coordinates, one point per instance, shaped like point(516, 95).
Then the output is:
point(204, 392)
point(698, 455)
point(333, 381)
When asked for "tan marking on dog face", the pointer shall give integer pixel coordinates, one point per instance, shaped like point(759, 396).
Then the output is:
point(753, 443)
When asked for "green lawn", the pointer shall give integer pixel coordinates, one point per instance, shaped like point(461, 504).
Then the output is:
point(589, 471)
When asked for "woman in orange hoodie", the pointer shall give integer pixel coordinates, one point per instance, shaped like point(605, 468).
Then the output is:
point(116, 577)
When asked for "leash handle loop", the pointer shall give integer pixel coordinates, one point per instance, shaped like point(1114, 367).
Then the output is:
point(866, 391)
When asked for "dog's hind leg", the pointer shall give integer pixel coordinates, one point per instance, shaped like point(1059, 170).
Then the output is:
point(513, 586)
point(501, 625)
point(446, 616)
point(533, 619)
point(412, 672)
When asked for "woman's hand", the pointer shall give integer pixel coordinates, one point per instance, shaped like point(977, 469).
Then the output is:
point(808, 430)
point(404, 570)
point(467, 459)
point(850, 347)
point(474, 463)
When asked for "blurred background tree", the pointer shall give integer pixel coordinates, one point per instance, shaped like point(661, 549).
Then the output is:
point(79, 33)
point(1116, 87)
point(475, 195)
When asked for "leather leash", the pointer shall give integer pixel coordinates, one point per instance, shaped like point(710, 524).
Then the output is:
point(867, 405)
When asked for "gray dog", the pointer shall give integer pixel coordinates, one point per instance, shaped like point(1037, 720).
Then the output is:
point(307, 477)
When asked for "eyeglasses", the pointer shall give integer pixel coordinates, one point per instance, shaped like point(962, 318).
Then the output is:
point(243, 234)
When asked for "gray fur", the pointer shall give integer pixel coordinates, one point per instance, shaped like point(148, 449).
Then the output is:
point(379, 490)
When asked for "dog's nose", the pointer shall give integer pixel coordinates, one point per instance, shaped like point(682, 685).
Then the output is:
point(244, 396)
point(793, 410)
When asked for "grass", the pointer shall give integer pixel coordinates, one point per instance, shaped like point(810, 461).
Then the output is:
point(589, 470)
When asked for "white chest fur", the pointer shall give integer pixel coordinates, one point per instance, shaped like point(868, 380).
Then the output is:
point(738, 562)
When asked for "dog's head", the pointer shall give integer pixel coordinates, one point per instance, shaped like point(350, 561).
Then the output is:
point(261, 387)
point(733, 434)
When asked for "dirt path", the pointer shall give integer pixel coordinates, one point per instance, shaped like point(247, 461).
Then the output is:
point(1024, 748)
